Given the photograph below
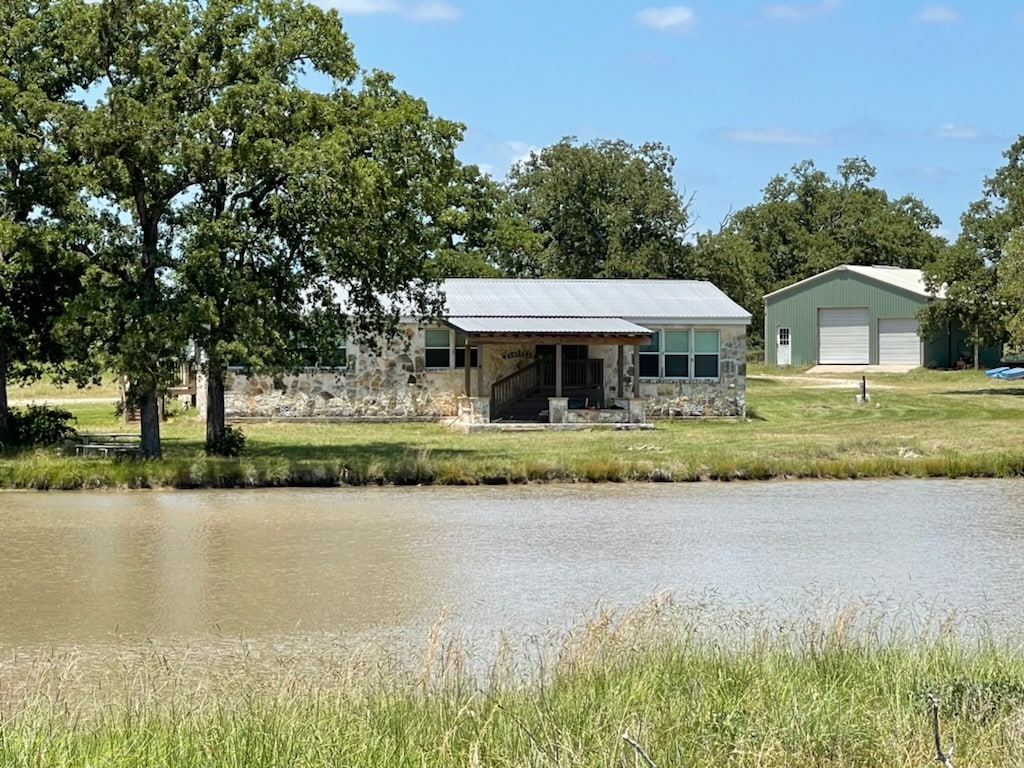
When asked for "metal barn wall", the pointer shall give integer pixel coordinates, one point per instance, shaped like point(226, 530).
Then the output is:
point(798, 310)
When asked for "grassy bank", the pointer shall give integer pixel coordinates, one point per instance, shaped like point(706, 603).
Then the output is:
point(923, 424)
point(655, 686)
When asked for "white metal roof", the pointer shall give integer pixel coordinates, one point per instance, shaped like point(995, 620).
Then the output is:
point(665, 300)
point(910, 280)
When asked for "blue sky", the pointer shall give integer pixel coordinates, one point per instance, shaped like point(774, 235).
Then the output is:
point(738, 90)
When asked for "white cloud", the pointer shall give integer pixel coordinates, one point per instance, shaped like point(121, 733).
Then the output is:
point(774, 135)
point(799, 11)
point(677, 17)
point(937, 14)
point(434, 11)
point(518, 152)
point(428, 10)
point(360, 7)
point(957, 131)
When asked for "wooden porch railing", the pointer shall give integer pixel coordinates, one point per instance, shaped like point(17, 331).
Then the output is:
point(577, 375)
point(514, 386)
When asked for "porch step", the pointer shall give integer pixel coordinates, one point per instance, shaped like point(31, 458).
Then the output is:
point(529, 409)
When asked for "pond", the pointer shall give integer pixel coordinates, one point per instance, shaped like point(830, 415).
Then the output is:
point(85, 568)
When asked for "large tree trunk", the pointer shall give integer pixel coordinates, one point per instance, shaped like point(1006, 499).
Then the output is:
point(149, 415)
point(215, 421)
point(6, 423)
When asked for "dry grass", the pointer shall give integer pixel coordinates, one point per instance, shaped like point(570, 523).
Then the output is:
point(684, 681)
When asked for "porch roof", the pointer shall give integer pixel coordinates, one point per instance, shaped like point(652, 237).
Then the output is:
point(549, 330)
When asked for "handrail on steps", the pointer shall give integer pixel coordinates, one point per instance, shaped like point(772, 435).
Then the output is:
point(512, 387)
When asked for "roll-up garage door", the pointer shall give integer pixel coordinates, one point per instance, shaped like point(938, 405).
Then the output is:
point(843, 336)
point(898, 342)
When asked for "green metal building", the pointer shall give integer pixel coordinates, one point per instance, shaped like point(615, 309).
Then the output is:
point(854, 315)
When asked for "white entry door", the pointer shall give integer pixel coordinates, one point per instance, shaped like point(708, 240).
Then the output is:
point(783, 355)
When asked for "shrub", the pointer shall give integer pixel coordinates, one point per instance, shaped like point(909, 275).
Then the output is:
point(42, 425)
point(230, 443)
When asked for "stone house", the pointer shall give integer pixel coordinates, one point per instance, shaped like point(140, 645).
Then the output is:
point(556, 351)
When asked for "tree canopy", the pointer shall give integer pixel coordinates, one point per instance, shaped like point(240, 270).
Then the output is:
point(808, 222)
point(978, 289)
point(40, 201)
point(601, 209)
point(233, 200)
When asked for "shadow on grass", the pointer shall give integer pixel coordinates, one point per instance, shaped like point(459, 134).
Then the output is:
point(1015, 392)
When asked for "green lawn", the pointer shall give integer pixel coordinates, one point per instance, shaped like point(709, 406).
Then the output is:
point(926, 423)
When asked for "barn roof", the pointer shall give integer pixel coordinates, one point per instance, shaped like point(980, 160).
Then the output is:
point(909, 280)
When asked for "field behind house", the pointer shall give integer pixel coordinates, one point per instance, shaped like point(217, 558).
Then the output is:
point(923, 423)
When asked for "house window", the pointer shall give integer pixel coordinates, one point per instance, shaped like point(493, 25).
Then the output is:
point(650, 353)
point(680, 354)
point(446, 349)
point(677, 354)
point(705, 354)
point(332, 354)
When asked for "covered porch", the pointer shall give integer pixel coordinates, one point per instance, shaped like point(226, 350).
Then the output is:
point(565, 370)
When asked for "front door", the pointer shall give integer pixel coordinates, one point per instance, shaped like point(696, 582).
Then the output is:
point(783, 356)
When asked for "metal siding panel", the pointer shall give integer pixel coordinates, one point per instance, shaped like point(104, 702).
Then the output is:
point(843, 336)
point(898, 342)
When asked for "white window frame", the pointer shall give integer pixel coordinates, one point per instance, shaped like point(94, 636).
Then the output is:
point(659, 341)
point(454, 346)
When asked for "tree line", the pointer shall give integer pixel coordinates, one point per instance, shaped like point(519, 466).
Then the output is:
point(223, 174)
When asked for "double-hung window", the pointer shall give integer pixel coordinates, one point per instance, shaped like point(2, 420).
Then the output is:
point(446, 349)
point(705, 354)
point(680, 354)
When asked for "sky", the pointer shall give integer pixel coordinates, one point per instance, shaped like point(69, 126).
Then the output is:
point(738, 90)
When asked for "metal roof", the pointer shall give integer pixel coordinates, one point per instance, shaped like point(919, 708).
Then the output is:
point(671, 300)
point(910, 280)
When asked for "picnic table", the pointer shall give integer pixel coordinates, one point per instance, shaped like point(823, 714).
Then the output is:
point(108, 444)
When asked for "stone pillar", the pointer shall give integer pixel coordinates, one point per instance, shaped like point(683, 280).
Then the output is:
point(558, 410)
point(475, 410)
point(637, 410)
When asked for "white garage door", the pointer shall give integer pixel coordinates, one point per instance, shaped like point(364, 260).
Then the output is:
point(898, 342)
point(843, 336)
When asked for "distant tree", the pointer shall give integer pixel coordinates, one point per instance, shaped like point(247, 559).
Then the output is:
point(1010, 288)
point(483, 235)
point(40, 74)
point(602, 209)
point(809, 222)
point(969, 271)
point(729, 261)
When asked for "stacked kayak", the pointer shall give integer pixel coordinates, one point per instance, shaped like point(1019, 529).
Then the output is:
point(1005, 372)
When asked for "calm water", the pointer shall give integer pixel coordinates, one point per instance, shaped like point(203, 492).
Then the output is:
point(94, 569)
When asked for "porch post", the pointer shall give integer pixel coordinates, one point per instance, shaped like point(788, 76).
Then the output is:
point(636, 369)
point(558, 370)
point(479, 370)
point(469, 370)
point(621, 363)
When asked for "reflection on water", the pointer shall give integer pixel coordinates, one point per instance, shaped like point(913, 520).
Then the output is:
point(91, 569)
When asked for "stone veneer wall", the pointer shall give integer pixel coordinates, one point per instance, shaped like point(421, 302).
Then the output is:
point(395, 383)
point(724, 396)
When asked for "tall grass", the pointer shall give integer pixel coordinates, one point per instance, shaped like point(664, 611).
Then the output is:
point(683, 684)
